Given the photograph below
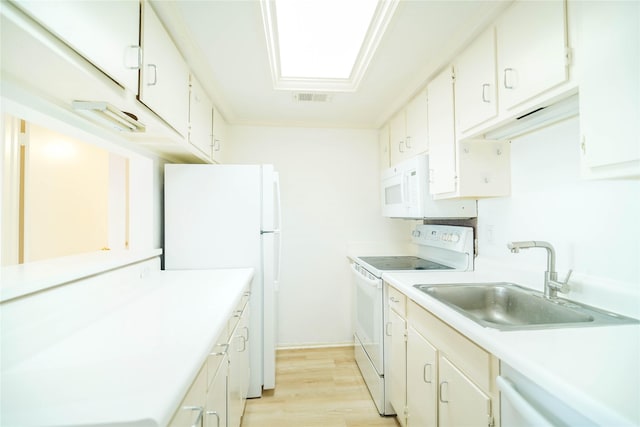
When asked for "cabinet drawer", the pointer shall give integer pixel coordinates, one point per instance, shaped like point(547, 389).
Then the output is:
point(474, 361)
point(397, 300)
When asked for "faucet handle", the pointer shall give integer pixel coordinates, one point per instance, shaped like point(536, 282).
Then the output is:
point(566, 279)
point(562, 286)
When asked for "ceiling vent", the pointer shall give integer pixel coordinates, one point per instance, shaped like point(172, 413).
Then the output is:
point(311, 97)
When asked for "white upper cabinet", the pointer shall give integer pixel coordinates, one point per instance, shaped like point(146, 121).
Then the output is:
point(104, 32)
point(417, 139)
point(442, 146)
point(220, 139)
point(408, 130)
point(461, 168)
point(476, 92)
point(200, 119)
point(164, 85)
point(383, 147)
point(609, 52)
point(531, 49)
point(397, 138)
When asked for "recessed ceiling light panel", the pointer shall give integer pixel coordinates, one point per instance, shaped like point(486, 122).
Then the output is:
point(323, 44)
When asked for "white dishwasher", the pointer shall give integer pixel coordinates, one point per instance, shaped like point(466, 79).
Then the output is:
point(525, 404)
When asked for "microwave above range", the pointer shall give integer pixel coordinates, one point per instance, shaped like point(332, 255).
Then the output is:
point(405, 194)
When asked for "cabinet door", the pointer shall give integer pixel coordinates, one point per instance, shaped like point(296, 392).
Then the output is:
point(417, 138)
point(398, 366)
point(609, 51)
point(460, 401)
point(475, 85)
point(104, 32)
point(442, 144)
point(164, 86)
point(397, 134)
point(422, 381)
point(219, 135)
point(200, 119)
point(531, 40)
point(216, 405)
point(238, 370)
point(192, 408)
point(383, 147)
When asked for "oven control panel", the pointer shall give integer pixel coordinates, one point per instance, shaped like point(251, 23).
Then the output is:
point(455, 238)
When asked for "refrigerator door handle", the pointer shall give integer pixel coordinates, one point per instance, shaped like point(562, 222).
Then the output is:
point(278, 263)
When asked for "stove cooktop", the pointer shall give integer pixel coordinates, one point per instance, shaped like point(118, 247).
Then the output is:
point(402, 263)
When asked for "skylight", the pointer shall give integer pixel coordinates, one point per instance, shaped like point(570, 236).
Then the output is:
point(323, 44)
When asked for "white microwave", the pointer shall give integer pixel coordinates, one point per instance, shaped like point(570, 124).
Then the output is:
point(405, 194)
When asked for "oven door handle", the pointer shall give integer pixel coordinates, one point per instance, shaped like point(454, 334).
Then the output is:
point(372, 282)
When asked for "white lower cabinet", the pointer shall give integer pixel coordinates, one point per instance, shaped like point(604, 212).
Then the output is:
point(238, 369)
point(422, 380)
point(398, 363)
point(191, 410)
point(217, 396)
point(460, 401)
point(216, 402)
point(438, 376)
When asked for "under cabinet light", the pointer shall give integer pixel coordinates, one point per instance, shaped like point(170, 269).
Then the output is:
point(536, 119)
point(108, 115)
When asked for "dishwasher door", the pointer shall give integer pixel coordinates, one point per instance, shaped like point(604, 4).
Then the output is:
point(525, 404)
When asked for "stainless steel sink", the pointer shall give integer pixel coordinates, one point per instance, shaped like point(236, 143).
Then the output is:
point(507, 306)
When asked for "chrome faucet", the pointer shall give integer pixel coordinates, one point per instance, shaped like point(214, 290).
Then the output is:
point(551, 284)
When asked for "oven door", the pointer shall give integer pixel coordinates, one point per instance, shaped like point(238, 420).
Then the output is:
point(368, 315)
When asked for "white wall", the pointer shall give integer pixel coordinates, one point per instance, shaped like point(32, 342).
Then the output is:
point(593, 225)
point(329, 180)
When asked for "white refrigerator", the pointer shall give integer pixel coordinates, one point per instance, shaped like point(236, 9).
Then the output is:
point(228, 216)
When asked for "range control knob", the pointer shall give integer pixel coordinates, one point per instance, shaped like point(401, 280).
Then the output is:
point(455, 238)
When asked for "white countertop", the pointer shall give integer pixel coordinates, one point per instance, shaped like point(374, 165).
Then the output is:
point(595, 370)
point(132, 366)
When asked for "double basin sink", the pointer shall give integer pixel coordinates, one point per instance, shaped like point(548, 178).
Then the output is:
point(507, 306)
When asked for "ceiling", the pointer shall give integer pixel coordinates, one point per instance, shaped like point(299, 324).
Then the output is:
point(225, 45)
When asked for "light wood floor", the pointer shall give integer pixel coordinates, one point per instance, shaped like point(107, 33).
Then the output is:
point(316, 388)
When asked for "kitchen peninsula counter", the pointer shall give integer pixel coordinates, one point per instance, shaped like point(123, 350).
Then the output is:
point(131, 365)
point(594, 370)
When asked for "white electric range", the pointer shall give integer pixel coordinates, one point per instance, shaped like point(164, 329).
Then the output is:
point(438, 248)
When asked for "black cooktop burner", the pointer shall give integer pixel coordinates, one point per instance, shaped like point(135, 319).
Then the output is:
point(402, 263)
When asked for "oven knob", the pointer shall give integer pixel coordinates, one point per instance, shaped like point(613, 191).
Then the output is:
point(455, 238)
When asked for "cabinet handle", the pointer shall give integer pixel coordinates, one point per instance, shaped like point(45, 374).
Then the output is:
point(216, 415)
point(408, 143)
point(485, 93)
point(508, 84)
point(200, 410)
point(220, 353)
point(441, 392)
point(394, 300)
point(386, 329)
point(130, 53)
point(400, 146)
point(216, 145)
point(424, 373)
point(244, 344)
point(155, 75)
